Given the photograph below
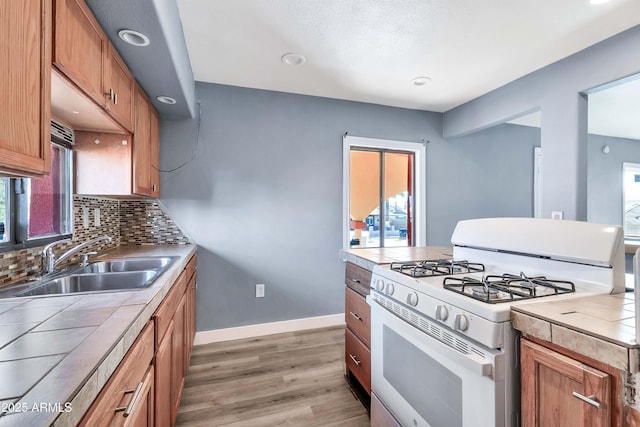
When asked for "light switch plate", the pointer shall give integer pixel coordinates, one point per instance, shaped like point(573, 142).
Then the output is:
point(96, 217)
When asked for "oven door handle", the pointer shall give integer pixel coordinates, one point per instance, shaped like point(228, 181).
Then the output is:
point(470, 361)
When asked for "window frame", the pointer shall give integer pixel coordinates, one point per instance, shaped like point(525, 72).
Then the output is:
point(18, 210)
point(420, 196)
point(9, 223)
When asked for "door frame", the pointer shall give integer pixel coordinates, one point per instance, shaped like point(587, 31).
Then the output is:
point(420, 195)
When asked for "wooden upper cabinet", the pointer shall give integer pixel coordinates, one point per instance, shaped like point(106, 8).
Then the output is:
point(146, 155)
point(83, 53)
point(558, 390)
point(79, 47)
point(119, 87)
point(25, 87)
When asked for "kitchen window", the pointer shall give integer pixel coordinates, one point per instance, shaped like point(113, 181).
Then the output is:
point(631, 200)
point(383, 185)
point(36, 211)
point(5, 210)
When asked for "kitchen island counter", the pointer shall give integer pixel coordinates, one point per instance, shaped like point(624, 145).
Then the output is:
point(369, 257)
point(57, 352)
point(601, 327)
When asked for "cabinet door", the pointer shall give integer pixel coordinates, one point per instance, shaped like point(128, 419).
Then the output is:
point(142, 145)
point(163, 403)
point(25, 86)
point(177, 359)
point(142, 412)
point(154, 149)
point(127, 389)
point(190, 321)
point(119, 89)
point(79, 47)
point(554, 387)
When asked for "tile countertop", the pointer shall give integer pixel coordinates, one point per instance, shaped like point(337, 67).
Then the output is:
point(601, 327)
point(368, 257)
point(61, 350)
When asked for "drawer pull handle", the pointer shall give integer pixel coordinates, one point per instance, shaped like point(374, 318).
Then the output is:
point(588, 399)
point(355, 360)
point(127, 409)
point(355, 315)
point(355, 280)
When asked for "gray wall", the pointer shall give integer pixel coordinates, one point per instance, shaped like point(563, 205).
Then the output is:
point(605, 176)
point(263, 196)
point(556, 90)
point(485, 174)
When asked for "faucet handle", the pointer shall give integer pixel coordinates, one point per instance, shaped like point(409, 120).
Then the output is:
point(84, 259)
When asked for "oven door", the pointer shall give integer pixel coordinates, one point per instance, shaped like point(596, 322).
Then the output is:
point(425, 382)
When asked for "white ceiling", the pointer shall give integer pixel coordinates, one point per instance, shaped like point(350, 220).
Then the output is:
point(370, 50)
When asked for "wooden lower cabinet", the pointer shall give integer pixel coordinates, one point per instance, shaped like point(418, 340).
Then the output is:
point(177, 358)
point(146, 387)
point(558, 390)
point(174, 322)
point(163, 402)
point(358, 331)
point(128, 397)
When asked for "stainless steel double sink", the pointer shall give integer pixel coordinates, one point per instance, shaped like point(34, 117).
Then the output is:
point(102, 276)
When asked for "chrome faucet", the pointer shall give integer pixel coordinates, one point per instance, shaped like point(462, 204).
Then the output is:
point(50, 257)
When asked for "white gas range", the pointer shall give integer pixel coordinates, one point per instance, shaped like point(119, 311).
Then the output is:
point(443, 352)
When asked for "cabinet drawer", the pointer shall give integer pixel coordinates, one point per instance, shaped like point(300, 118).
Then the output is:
point(358, 359)
point(357, 313)
point(163, 315)
point(357, 278)
point(119, 390)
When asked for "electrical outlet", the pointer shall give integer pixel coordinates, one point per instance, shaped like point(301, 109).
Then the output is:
point(96, 217)
point(85, 217)
point(557, 214)
point(260, 290)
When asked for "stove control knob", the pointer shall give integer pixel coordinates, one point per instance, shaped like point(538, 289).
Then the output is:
point(390, 289)
point(379, 285)
point(442, 313)
point(412, 299)
point(461, 322)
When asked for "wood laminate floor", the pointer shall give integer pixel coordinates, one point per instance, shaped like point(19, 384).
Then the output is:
point(291, 379)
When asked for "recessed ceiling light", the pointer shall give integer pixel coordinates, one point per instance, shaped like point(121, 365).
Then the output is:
point(597, 2)
point(420, 81)
point(293, 59)
point(133, 37)
point(166, 99)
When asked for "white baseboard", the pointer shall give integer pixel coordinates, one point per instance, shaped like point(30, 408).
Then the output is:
point(250, 331)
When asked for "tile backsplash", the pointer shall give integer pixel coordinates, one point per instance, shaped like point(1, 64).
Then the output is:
point(127, 222)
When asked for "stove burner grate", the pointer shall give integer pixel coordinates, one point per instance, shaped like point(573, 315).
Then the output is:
point(436, 267)
point(507, 287)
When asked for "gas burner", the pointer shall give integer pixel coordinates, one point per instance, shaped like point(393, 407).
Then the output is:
point(507, 287)
point(436, 267)
point(483, 293)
